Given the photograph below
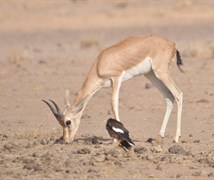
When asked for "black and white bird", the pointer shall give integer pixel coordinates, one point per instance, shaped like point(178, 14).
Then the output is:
point(119, 132)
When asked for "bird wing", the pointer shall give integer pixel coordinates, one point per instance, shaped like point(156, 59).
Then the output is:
point(118, 131)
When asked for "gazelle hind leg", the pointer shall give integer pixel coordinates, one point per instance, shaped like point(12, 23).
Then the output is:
point(168, 97)
point(178, 95)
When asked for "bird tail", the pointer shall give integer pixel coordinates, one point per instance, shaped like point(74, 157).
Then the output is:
point(128, 143)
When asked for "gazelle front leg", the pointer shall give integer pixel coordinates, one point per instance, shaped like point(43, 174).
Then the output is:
point(116, 84)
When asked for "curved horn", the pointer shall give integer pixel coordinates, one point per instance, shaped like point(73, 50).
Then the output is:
point(60, 113)
point(55, 110)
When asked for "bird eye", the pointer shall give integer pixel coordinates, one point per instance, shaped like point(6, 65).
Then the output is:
point(68, 122)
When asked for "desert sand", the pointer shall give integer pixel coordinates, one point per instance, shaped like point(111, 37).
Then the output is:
point(48, 46)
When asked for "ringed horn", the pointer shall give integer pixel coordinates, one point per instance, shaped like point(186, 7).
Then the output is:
point(56, 111)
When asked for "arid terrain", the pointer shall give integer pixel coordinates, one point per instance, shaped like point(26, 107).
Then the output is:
point(48, 46)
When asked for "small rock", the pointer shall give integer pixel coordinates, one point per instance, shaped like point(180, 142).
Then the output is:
point(189, 153)
point(156, 149)
point(43, 142)
point(28, 160)
point(29, 166)
point(202, 101)
point(140, 150)
point(9, 146)
point(97, 146)
point(197, 173)
point(118, 163)
point(196, 141)
point(148, 85)
point(159, 167)
point(211, 174)
point(67, 171)
point(178, 175)
point(38, 168)
point(95, 140)
point(100, 158)
point(108, 157)
point(113, 153)
point(35, 154)
point(184, 141)
point(149, 157)
point(190, 135)
point(177, 149)
point(84, 151)
point(90, 170)
point(150, 140)
point(166, 158)
point(60, 141)
point(53, 138)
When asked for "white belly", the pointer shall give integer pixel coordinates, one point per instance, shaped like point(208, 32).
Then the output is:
point(139, 69)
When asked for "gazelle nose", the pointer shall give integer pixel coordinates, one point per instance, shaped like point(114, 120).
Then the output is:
point(68, 122)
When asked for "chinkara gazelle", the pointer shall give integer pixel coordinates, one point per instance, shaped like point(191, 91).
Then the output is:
point(148, 55)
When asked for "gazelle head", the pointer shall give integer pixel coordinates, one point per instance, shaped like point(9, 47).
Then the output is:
point(69, 119)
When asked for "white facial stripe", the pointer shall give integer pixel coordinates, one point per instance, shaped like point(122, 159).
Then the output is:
point(118, 130)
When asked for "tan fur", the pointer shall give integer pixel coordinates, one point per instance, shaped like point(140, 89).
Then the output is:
point(109, 67)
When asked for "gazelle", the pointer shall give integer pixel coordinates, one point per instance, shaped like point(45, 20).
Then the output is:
point(147, 55)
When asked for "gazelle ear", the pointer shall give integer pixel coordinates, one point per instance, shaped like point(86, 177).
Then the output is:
point(79, 106)
point(67, 98)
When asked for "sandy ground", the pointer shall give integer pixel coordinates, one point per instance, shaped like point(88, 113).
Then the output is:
point(48, 46)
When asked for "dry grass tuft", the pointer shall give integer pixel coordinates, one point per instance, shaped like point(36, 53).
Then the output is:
point(89, 41)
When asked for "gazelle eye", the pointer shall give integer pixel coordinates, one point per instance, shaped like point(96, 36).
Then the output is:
point(68, 122)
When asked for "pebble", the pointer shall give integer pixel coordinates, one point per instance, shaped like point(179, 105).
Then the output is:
point(166, 158)
point(113, 153)
point(156, 149)
point(118, 163)
point(60, 141)
point(9, 146)
point(178, 175)
point(202, 101)
point(211, 174)
point(100, 158)
point(95, 140)
point(150, 140)
point(149, 157)
point(29, 166)
point(197, 173)
point(140, 150)
point(190, 135)
point(148, 85)
point(159, 167)
point(109, 157)
point(196, 141)
point(38, 168)
point(44, 142)
point(84, 151)
point(184, 141)
point(177, 149)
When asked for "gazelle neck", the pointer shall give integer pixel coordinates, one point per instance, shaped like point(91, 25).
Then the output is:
point(91, 85)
